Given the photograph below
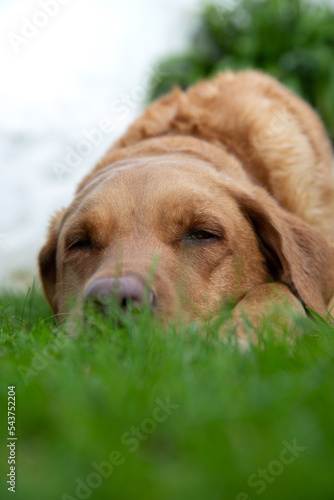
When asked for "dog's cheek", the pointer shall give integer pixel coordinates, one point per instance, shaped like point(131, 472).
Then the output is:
point(207, 276)
point(75, 272)
point(70, 286)
point(225, 283)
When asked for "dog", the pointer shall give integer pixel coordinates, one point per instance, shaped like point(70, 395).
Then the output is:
point(228, 185)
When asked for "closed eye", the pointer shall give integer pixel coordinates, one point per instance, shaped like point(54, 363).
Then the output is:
point(81, 244)
point(202, 236)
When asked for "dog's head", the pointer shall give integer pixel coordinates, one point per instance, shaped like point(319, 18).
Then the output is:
point(211, 239)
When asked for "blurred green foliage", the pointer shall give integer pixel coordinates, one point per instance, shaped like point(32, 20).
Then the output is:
point(293, 40)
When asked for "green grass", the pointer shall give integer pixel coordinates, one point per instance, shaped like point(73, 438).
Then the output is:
point(232, 412)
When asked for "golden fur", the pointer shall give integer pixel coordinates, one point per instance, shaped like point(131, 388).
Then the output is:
point(239, 155)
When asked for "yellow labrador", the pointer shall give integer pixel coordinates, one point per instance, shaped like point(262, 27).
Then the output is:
point(229, 183)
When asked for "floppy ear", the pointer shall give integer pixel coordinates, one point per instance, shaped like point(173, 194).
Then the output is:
point(47, 261)
point(296, 253)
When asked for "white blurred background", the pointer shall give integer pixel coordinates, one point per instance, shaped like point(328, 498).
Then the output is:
point(67, 65)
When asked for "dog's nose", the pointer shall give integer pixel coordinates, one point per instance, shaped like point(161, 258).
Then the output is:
point(128, 291)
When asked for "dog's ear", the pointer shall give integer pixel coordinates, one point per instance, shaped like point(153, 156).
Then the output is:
point(296, 253)
point(47, 261)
